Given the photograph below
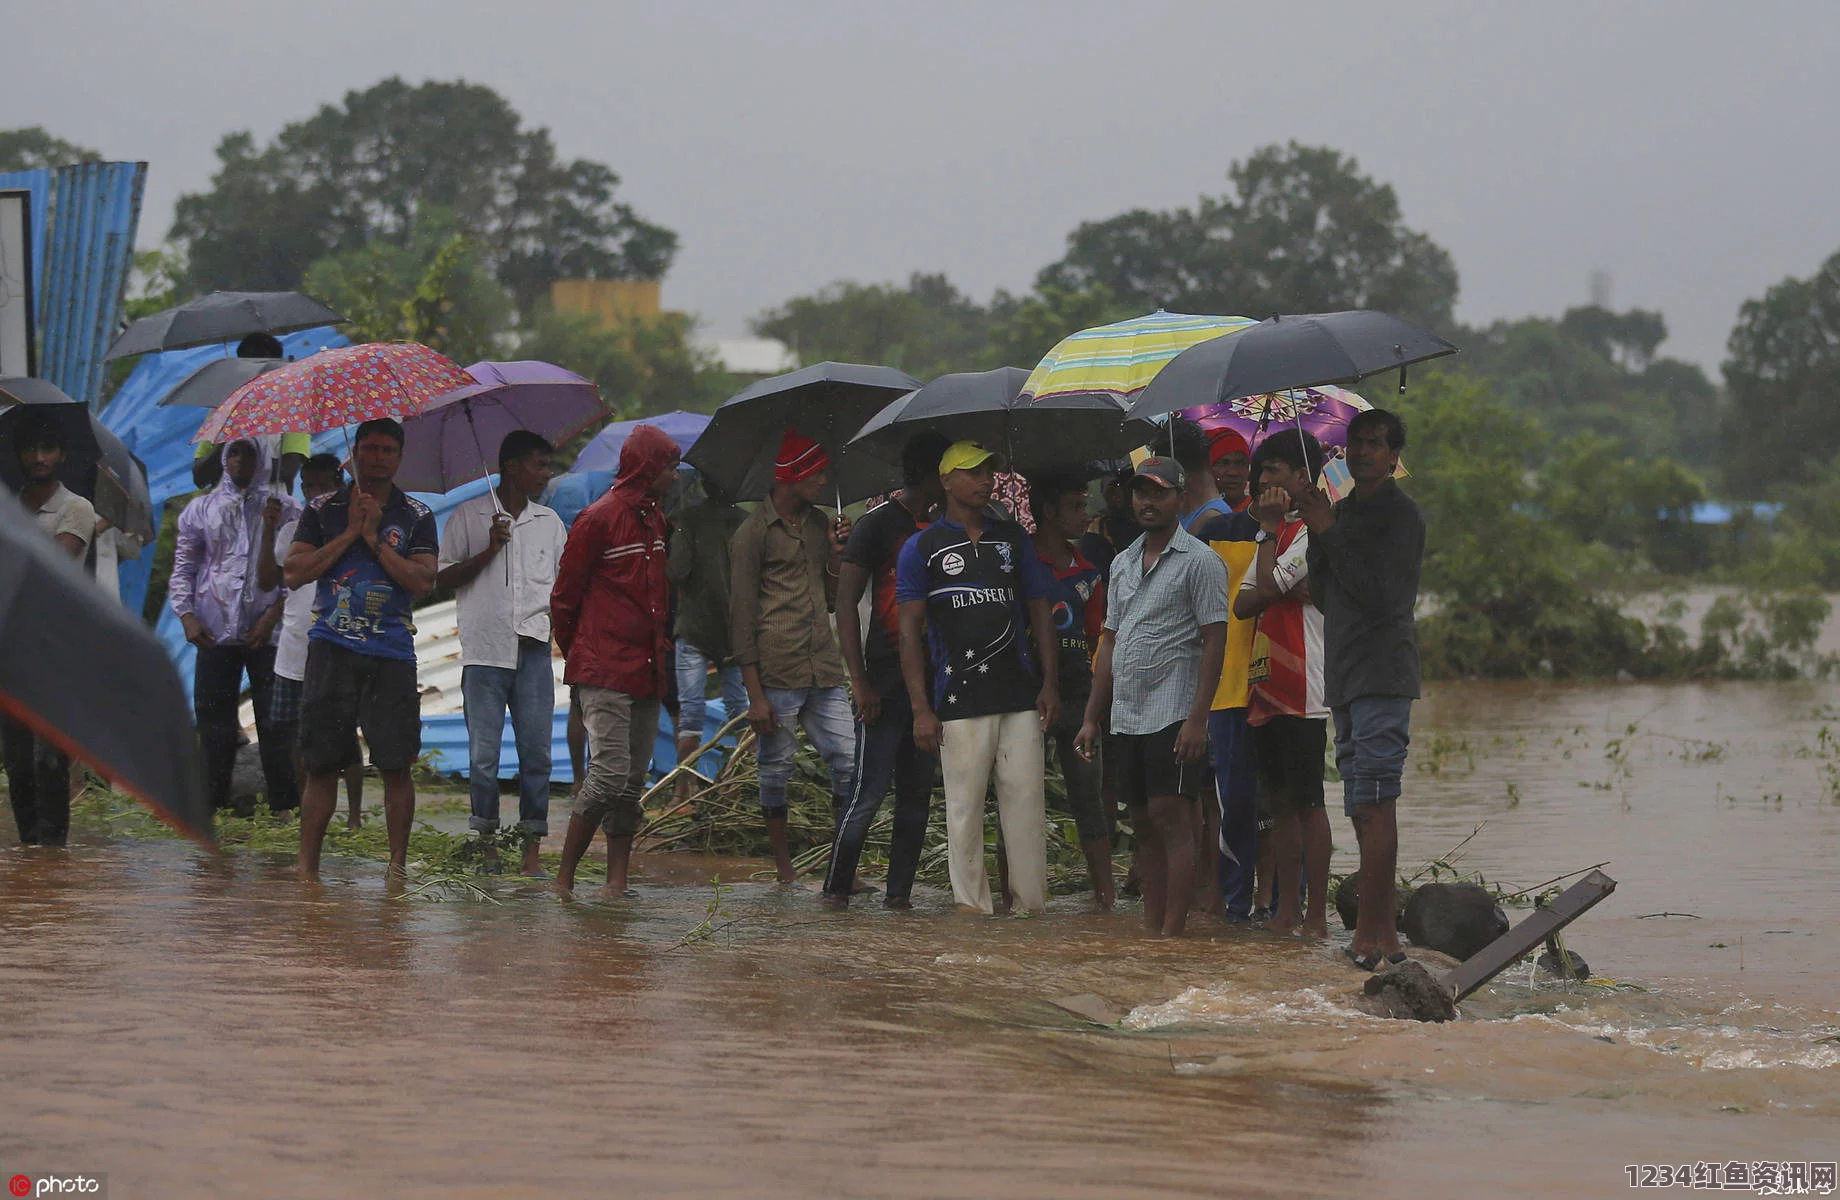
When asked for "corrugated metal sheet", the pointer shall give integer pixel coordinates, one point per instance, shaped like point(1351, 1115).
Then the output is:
point(86, 217)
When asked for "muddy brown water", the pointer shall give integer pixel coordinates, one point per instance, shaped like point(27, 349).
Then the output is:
point(209, 1027)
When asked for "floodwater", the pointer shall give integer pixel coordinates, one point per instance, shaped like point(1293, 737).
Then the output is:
point(209, 1027)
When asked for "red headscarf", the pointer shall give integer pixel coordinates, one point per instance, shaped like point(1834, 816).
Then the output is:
point(799, 458)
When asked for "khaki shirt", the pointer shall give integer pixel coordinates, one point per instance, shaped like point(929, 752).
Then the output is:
point(778, 610)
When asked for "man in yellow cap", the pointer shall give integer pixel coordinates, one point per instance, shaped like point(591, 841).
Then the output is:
point(978, 590)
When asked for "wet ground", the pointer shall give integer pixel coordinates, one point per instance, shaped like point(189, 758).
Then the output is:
point(210, 1027)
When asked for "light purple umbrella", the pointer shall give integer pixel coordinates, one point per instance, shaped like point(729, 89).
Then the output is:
point(455, 439)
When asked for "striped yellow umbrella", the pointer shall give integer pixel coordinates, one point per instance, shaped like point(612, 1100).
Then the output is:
point(1121, 359)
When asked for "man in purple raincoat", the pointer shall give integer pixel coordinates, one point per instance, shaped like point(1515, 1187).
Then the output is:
point(231, 618)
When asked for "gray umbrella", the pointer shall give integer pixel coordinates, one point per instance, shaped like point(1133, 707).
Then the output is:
point(212, 384)
point(986, 406)
point(827, 402)
point(1289, 352)
point(222, 317)
point(97, 465)
point(82, 673)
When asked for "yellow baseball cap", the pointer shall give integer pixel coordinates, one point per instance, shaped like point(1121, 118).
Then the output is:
point(963, 456)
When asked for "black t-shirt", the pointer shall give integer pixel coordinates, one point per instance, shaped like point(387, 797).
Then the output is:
point(875, 546)
point(976, 620)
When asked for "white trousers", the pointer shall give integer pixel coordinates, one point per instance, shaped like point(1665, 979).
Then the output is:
point(1012, 743)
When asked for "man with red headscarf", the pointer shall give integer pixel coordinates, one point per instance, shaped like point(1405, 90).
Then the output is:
point(610, 611)
point(782, 586)
point(1230, 463)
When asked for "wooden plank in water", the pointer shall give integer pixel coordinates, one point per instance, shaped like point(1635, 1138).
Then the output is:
point(1501, 953)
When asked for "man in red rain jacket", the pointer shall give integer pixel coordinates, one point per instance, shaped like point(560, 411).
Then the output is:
point(610, 609)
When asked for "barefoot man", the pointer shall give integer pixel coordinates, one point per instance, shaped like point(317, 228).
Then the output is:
point(1286, 711)
point(610, 611)
point(1159, 663)
point(372, 549)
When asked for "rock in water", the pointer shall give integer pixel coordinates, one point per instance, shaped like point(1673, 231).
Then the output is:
point(1406, 992)
point(247, 780)
point(1549, 964)
point(1348, 900)
point(1347, 904)
point(1457, 919)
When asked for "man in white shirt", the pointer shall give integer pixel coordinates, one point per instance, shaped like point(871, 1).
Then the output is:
point(320, 476)
point(500, 552)
point(37, 773)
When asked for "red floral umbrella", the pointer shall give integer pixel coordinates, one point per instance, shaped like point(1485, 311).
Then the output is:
point(336, 388)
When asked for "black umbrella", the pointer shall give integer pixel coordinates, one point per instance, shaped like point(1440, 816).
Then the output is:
point(222, 317)
point(985, 406)
point(827, 402)
point(211, 384)
point(86, 676)
point(97, 466)
point(1289, 352)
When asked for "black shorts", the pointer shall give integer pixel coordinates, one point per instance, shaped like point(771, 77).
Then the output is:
point(344, 691)
point(1146, 766)
point(1290, 754)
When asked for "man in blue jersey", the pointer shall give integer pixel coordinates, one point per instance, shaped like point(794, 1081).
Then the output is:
point(975, 585)
point(372, 549)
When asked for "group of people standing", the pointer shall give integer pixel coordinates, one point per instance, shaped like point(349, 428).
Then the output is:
point(1182, 654)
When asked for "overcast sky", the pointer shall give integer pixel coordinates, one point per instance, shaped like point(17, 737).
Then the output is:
point(1686, 148)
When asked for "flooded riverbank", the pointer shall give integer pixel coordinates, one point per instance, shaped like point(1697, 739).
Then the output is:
point(199, 1026)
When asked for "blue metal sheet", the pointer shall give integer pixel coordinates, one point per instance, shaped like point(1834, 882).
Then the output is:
point(85, 218)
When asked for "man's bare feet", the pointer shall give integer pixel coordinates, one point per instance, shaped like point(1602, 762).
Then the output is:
point(1283, 927)
point(565, 891)
point(354, 821)
point(609, 892)
point(490, 858)
point(533, 860)
point(1317, 930)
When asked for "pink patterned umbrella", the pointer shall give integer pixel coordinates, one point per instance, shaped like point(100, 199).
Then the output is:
point(336, 388)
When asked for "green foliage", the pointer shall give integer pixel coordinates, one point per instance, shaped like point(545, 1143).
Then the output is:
point(1596, 494)
point(369, 171)
point(1594, 371)
point(1303, 231)
point(33, 147)
point(1783, 378)
point(926, 328)
point(436, 288)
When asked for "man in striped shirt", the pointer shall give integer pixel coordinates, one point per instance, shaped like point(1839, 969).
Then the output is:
point(1285, 703)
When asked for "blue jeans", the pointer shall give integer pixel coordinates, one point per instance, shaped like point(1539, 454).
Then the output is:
point(693, 687)
point(530, 693)
point(1236, 787)
point(826, 717)
point(1371, 737)
point(887, 754)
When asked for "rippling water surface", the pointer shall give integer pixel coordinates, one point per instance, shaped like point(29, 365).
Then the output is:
point(210, 1027)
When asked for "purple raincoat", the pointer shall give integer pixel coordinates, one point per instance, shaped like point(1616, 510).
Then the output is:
point(214, 560)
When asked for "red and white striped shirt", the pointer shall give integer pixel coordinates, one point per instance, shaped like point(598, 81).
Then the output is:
point(1287, 650)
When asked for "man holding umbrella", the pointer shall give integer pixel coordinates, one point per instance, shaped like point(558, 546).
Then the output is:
point(232, 620)
point(783, 568)
point(38, 773)
point(372, 548)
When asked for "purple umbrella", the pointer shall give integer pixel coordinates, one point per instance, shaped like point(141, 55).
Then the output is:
point(455, 439)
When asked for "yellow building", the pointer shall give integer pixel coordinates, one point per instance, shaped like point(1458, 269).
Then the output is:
point(611, 302)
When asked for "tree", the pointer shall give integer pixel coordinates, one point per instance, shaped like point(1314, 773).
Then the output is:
point(438, 290)
point(1595, 371)
point(368, 171)
point(31, 148)
point(926, 328)
point(1782, 375)
point(1303, 231)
